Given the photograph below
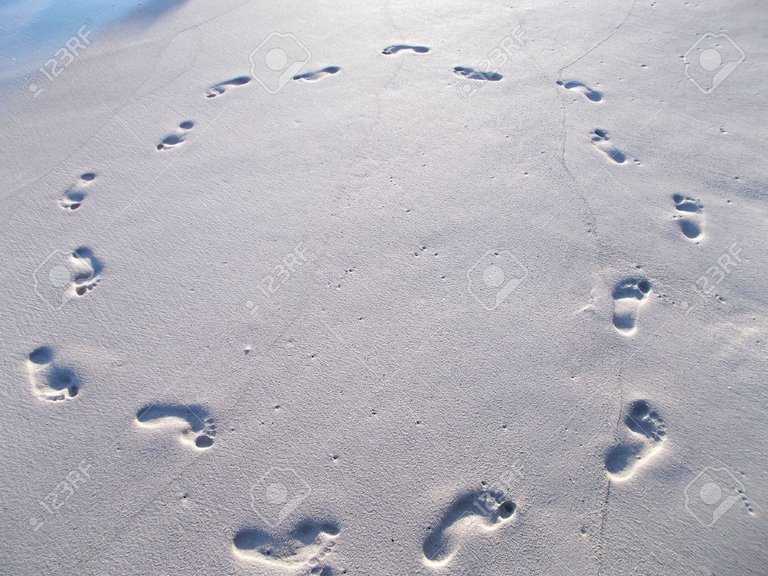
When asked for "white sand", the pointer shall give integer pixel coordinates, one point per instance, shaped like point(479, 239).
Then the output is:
point(388, 318)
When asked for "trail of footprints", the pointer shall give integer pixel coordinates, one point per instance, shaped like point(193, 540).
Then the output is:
point(309, 544)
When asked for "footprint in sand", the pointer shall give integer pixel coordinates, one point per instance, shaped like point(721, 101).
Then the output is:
point(397, 48)
point(73, 198)
point(219, 89)
point(78, 275)
point(473, 512)
point(589, 93)
point(628, 296)
point(305, 547)
point(50, 381)
point(691, 219)
point(314, 75)
point(644, 437)
point(198, 427)
point(601, 141)
point(178, 137)
point(473, 74)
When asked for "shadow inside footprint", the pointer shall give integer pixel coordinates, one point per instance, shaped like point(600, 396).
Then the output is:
point(200, 425)
point(315, 75)
point(173, 140)
point(689, 220)
point(642, 419)
point(222, 87)
point(589, 93)
point(50, 381)
point(621, 457)
point(646, 432)
point(627, 296)
point(476, 510)
point(308, 542)
point(473, 74)
point(396, 48)
point(601, 141)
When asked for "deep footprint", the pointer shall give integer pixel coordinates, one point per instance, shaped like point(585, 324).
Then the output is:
point(177, 138)
point(48, 380)
point(473, 74)
point(589, 93)
point(476, 511)
point(645, 433)
point(397, 48)
point(200, 429)
point(628, 296)
point(306, 546)
point(73, 198)
point(601, 141)
point(315, 75)
point(219, 89)
point(691, 217)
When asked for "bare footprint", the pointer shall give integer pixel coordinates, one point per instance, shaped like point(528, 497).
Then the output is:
point(473, 512)
point(50, 381)
point(219, 89)
point(306, 546)
point(628, 296)
point(473, 74)
point(645, 433)
point(397, 48)
point(314, 75)
point(73, 197)
point(589, 93)
point(601, 141)
point(198, 427)
point(177, 138)
point(690, 219)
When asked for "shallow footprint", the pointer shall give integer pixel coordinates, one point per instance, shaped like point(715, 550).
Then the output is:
point(691, 219)
point(314, 75)
point(50, 381)
point(200, 429)
point(220, 88)
point(396, 48)
point(73, 198)
point(476, 511)
point(645, 433)
point(306, 546)
point(177, 138)
point(628, 296)
point(473, 74)
point(601, 141)
point(589, 93)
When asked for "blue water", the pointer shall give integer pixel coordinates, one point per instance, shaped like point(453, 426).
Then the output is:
point(31, 31)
